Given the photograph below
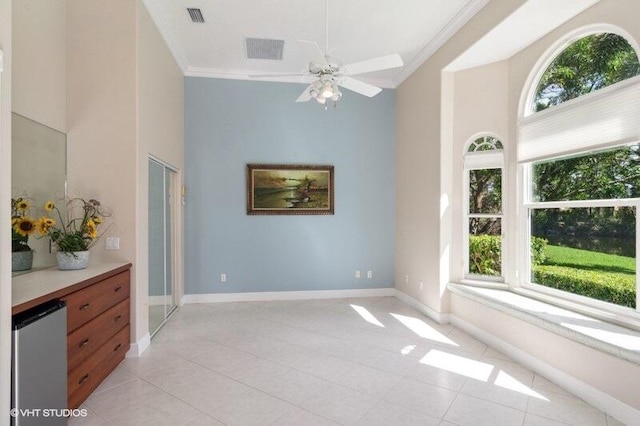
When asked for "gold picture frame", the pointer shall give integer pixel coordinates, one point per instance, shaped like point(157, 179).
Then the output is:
point(289, 189)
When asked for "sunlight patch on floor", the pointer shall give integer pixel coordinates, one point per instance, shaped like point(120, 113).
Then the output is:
point(423, 329)
point(458, 364)
point(407, 349)
point(366, 315)
point(506, 381)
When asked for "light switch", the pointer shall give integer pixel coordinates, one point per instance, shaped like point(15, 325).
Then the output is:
point(113, 243)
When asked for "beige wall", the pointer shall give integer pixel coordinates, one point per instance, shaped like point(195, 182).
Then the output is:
point(39, 62)
point(421, 243)
point(101, 118)
point(573, 358)
point(478, 108)
point(101, 137)
point(5, 211)
point(566, 355)
point(125, 102)
point(160, 101)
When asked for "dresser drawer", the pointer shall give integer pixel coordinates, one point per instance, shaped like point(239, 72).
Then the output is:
point(90, 336)
point(88, 303)
point(83, 379)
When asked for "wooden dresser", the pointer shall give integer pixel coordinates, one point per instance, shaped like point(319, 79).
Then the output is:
point(97, 334)
point(98, 331)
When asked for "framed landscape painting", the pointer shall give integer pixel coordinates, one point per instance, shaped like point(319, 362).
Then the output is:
point(289, 189)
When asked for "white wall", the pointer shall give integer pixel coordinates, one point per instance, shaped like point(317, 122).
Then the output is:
point(5, 210)
point(161, 134)
point(39, 61)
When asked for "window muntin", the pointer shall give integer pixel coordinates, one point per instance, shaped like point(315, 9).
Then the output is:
point(584, 209)
point(485, 143)
point(484, 208)
point(588, 64)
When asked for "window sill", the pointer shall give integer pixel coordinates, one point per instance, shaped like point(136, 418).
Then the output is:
point(601, 335)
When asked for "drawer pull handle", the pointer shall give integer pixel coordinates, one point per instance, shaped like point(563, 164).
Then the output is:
point(84, 343)
point(118, 346)
point(83, 379)
point(84, 307)
point(118, 318)
point(117, 289)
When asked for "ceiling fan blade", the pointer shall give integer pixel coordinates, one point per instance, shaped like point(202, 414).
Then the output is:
point(276, 75)
point(306, 95)
point(375, 64)
point(320, 55)
point(358, 86)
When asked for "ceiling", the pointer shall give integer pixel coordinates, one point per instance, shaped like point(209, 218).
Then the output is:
point(358, 30)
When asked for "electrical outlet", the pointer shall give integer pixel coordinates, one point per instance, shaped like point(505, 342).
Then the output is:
point(369, 274)
point(421, 285)
point(357, 274)
point(406, 279)
point(223, 278)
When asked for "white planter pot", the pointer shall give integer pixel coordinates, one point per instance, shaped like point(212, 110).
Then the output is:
point(72, 260)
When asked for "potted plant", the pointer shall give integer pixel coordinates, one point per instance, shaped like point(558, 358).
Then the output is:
point(75, 232)
point(22, 226)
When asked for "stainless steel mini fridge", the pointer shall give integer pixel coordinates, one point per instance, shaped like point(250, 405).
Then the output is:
point(39, 366)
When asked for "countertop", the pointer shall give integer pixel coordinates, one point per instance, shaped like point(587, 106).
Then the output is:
point(36, 287)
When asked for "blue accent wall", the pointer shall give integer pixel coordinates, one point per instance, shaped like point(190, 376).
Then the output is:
point(230, 123)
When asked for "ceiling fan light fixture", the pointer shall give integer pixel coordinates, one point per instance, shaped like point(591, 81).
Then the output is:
point(327, 90)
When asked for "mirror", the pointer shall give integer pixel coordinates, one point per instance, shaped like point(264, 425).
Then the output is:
point(39, 170)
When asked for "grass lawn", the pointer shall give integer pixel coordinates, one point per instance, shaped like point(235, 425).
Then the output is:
point(591, 260)
point(598, 275)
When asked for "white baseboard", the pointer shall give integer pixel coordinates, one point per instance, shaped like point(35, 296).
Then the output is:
point(438, 317)
point(594, 396)
point(136, 349)
point(287, 295)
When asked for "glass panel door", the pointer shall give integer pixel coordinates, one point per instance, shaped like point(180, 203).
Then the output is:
point(161, 252)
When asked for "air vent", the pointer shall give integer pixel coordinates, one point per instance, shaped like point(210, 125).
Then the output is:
point(195, 15)
point(264, 48)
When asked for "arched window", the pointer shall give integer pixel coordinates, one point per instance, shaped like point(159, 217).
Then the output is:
point(588, 64)
point(483, 163)
point(580, 165)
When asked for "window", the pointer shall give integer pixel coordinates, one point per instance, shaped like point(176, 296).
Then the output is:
point(580, 165)
point(588, 64)
point(484, 216)
point(582, 223)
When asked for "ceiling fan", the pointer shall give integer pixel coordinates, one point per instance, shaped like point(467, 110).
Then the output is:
point(330, 74)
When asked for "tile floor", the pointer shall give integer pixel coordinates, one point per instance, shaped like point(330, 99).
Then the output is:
point(367, 362)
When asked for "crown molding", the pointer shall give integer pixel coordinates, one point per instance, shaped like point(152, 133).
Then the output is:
point(461, 18)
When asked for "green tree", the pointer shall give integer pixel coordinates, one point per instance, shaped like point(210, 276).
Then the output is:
point(604, 175)
point(589, 64)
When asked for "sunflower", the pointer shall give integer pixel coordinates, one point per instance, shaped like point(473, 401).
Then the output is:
point(91, 229)
point(24, 226)
point(49, 206)
point(44, 224)
point(23, 204)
